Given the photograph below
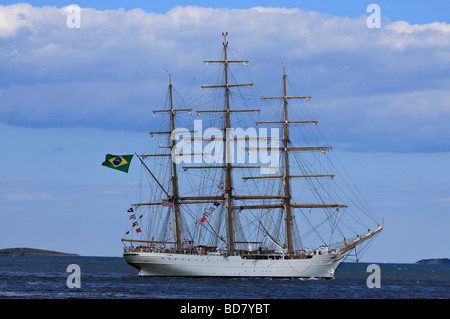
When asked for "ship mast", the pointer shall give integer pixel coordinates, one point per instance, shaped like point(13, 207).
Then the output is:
point(228, 176)
point(175, 195)
point(286, 177)
point(229, 139)
point(175, 190)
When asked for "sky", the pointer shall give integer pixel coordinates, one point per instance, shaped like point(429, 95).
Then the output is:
point(70, 95)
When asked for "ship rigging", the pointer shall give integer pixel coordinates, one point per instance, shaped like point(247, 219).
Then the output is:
point(233, 201)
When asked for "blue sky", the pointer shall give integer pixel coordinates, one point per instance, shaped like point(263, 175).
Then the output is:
point(381, 97)
point(411, 11)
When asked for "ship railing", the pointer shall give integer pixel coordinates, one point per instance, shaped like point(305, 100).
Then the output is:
point(246, 254)
point(165, 250)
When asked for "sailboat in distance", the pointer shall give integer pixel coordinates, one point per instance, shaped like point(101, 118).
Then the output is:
point(222, 200)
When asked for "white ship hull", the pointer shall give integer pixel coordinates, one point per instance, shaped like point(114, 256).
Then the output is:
point(216, 265)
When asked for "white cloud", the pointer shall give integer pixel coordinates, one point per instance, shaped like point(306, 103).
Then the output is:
point(391, 81)
point(405, 27)
point(13, 18)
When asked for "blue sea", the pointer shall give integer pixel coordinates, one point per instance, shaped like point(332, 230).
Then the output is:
point(26, 277)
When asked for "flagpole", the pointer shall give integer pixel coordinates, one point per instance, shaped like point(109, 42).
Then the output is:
point(153, 176)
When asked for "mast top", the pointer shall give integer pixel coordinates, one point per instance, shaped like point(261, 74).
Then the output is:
point(225, 43)
point(170, 77)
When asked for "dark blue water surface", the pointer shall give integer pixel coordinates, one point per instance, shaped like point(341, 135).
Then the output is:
point(111, 277)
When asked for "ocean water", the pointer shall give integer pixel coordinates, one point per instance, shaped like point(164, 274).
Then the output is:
point(26, 277)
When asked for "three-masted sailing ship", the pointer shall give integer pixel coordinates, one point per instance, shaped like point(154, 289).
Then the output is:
point(226, 202)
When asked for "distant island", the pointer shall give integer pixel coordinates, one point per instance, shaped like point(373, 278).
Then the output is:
point(434, 261)
point(33, 252)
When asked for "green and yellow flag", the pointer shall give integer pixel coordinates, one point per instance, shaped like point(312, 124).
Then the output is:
point(120, 162)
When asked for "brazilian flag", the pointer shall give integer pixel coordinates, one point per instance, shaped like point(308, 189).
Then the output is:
point(120, 162)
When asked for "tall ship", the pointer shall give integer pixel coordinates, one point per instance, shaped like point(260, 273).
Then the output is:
point(225, 195)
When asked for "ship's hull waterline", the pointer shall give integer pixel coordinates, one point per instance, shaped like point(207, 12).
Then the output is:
point(215, 265)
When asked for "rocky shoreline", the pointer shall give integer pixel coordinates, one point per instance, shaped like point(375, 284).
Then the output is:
point(434, 261)
point(33, 252)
